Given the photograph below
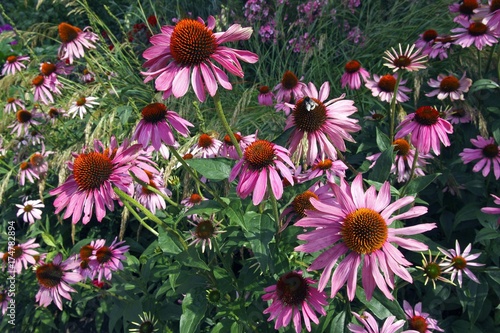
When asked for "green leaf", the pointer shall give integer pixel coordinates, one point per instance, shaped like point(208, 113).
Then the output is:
point(382, 169)
point(420, 183)
point(486, 234)
point(191, 258)
point(380, 305)
point(466, 213)
point(260, 231)
point(338, 322)
point(483, 84)
point(168, 244)
point(472, 298)
point(233, 212)
point(383, 141)
point(206, 206)
point(48, 239)
point(215, 169)
point(194, 306)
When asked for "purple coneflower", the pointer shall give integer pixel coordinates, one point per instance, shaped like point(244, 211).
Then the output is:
point(24, 119)
point(149, 199)
point(54, 279)
point(418, 320)
point(204, 230)
point(13, 104)
point(449, 85)
point(30, 210)
point(427, 130)
point(260, 164)
point(206, 147)
point(465, 9)
point(289, 90)
point(74, 41)
point(358, 227)
point(457, 262)
point(293, 297)
point(353, 75)
point(56, 113)
point(325, 124)
point(459, 114)
point(432, 269)
point(265, 96)
point(4, 300)
point(43, 88)
point(407, 60)
point(27, 170)
point(488, 154)
point(370, 325)
point(383, 88)
point(95, 172)
point(324, 166)
point(405, 156)
point(156, 126)
point(13, 64)
point(80, 106)
point(491, 14)
point(493, 210)
point(23, 255)
point(228, 150)
point(186, 53)
point(107, 259)
point(478, 33)
point(426, 40)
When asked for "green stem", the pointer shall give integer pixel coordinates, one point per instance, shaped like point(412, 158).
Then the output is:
point(195, 176)
point(479, 64)
point(155, 190)
point(490, 58)
point(392, 111)
point(412, 172)
point(222, 117)
point(144, 224)
point(274, 204)
point(344, 160)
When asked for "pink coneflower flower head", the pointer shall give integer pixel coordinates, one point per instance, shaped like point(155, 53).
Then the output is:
point(262, 161)
point(206, 147)
point(449, 86)
point(325, 124)
point(30, 210)
point(493, 210)
point(156, 126)
point(49, 72)
point(428, 130)
point(432, 270)
point(408, 60)
point(228, 150)
point(107, 259)
point(27, 170)
point(403, 164)
point(293, 297)
point(42, 88)
point(353, 75)
point(204, 230)
point(95, 172)
point(13, 64)
point(56, 113)
point(290, 89)
point(358, 227)
point(301, 203)
point(80, 106)
point(24, 119)
point(491, 14)
point(426, 40)
point(324, 166)
point(457, 262)
point(480, 34)
point(418, 320)
point(23, 254)
point(188, 51)
point(459, 114)
point(488, 154)
point(149, 199)
point(383, 87)
point(192, 200)
point(265, 96)
point(370, 325)
point(54, 279)
point(465, 9)
point(13, 104)
point(74, 41)
point(4, 300)
point(86, 251)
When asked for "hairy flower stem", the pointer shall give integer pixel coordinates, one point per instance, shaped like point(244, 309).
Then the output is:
point(222, 117)
point(392, 111)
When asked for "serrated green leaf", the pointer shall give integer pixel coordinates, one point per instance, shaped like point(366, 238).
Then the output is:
point(194, 306)
point(382, 168)
point(215, 169)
